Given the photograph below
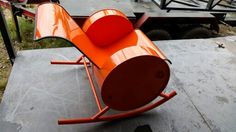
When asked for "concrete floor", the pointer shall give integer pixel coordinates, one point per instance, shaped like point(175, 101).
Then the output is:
point(203, 75)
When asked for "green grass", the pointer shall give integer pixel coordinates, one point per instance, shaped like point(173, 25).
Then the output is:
point(3, 84)
point(27, 32)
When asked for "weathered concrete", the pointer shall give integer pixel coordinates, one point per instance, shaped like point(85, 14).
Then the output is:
point(203, 75)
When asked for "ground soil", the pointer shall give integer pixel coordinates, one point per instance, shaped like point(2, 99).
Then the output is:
point(5, 68)
point(227, 30)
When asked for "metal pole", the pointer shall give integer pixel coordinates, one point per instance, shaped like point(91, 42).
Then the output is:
point(209, 4)
point(163, 4)
point(6, 38)
point(216, 4)
point(186, 3)
point(14, 15)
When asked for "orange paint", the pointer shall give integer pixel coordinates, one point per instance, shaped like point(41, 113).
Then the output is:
point(106, 27)
point(131, 78)
point(130, 70)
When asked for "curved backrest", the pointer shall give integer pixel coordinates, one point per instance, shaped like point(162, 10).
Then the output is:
point(101, 36)
point(52, 21)
point(107, 26)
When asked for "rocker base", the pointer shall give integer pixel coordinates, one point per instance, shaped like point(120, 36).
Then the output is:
point(98, 116)
point(117, 116)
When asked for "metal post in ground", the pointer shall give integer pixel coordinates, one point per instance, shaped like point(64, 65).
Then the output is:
point(6, 38)
point(14, 15)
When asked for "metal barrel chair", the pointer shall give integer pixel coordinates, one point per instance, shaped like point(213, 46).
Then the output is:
point(128, 68)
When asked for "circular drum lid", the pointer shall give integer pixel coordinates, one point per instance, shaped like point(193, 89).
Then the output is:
point(135, 82)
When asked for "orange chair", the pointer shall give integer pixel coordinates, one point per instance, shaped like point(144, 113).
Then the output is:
point(129, 69)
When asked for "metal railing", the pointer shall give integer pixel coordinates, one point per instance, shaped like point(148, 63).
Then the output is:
point(6, 38)
point(197, 5)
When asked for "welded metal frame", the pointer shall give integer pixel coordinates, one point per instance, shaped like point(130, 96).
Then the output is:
point(193, 6)
point(14, 12)
point(17, 10)
point(6, 38)
point(99, 116)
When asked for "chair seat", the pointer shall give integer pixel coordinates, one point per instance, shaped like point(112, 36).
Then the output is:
point(53, 21)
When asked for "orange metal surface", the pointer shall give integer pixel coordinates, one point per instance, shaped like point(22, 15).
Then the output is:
point(119, 115)
point(99, 116)
point(92, 86)
point(107, 26)
point(53, 21)
point(129, 69)
point(132, 77)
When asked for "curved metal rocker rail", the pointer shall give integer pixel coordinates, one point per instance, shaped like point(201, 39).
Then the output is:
point(99, 115)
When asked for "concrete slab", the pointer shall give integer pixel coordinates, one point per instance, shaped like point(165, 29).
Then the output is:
point(203, 75)
point(208, 75)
